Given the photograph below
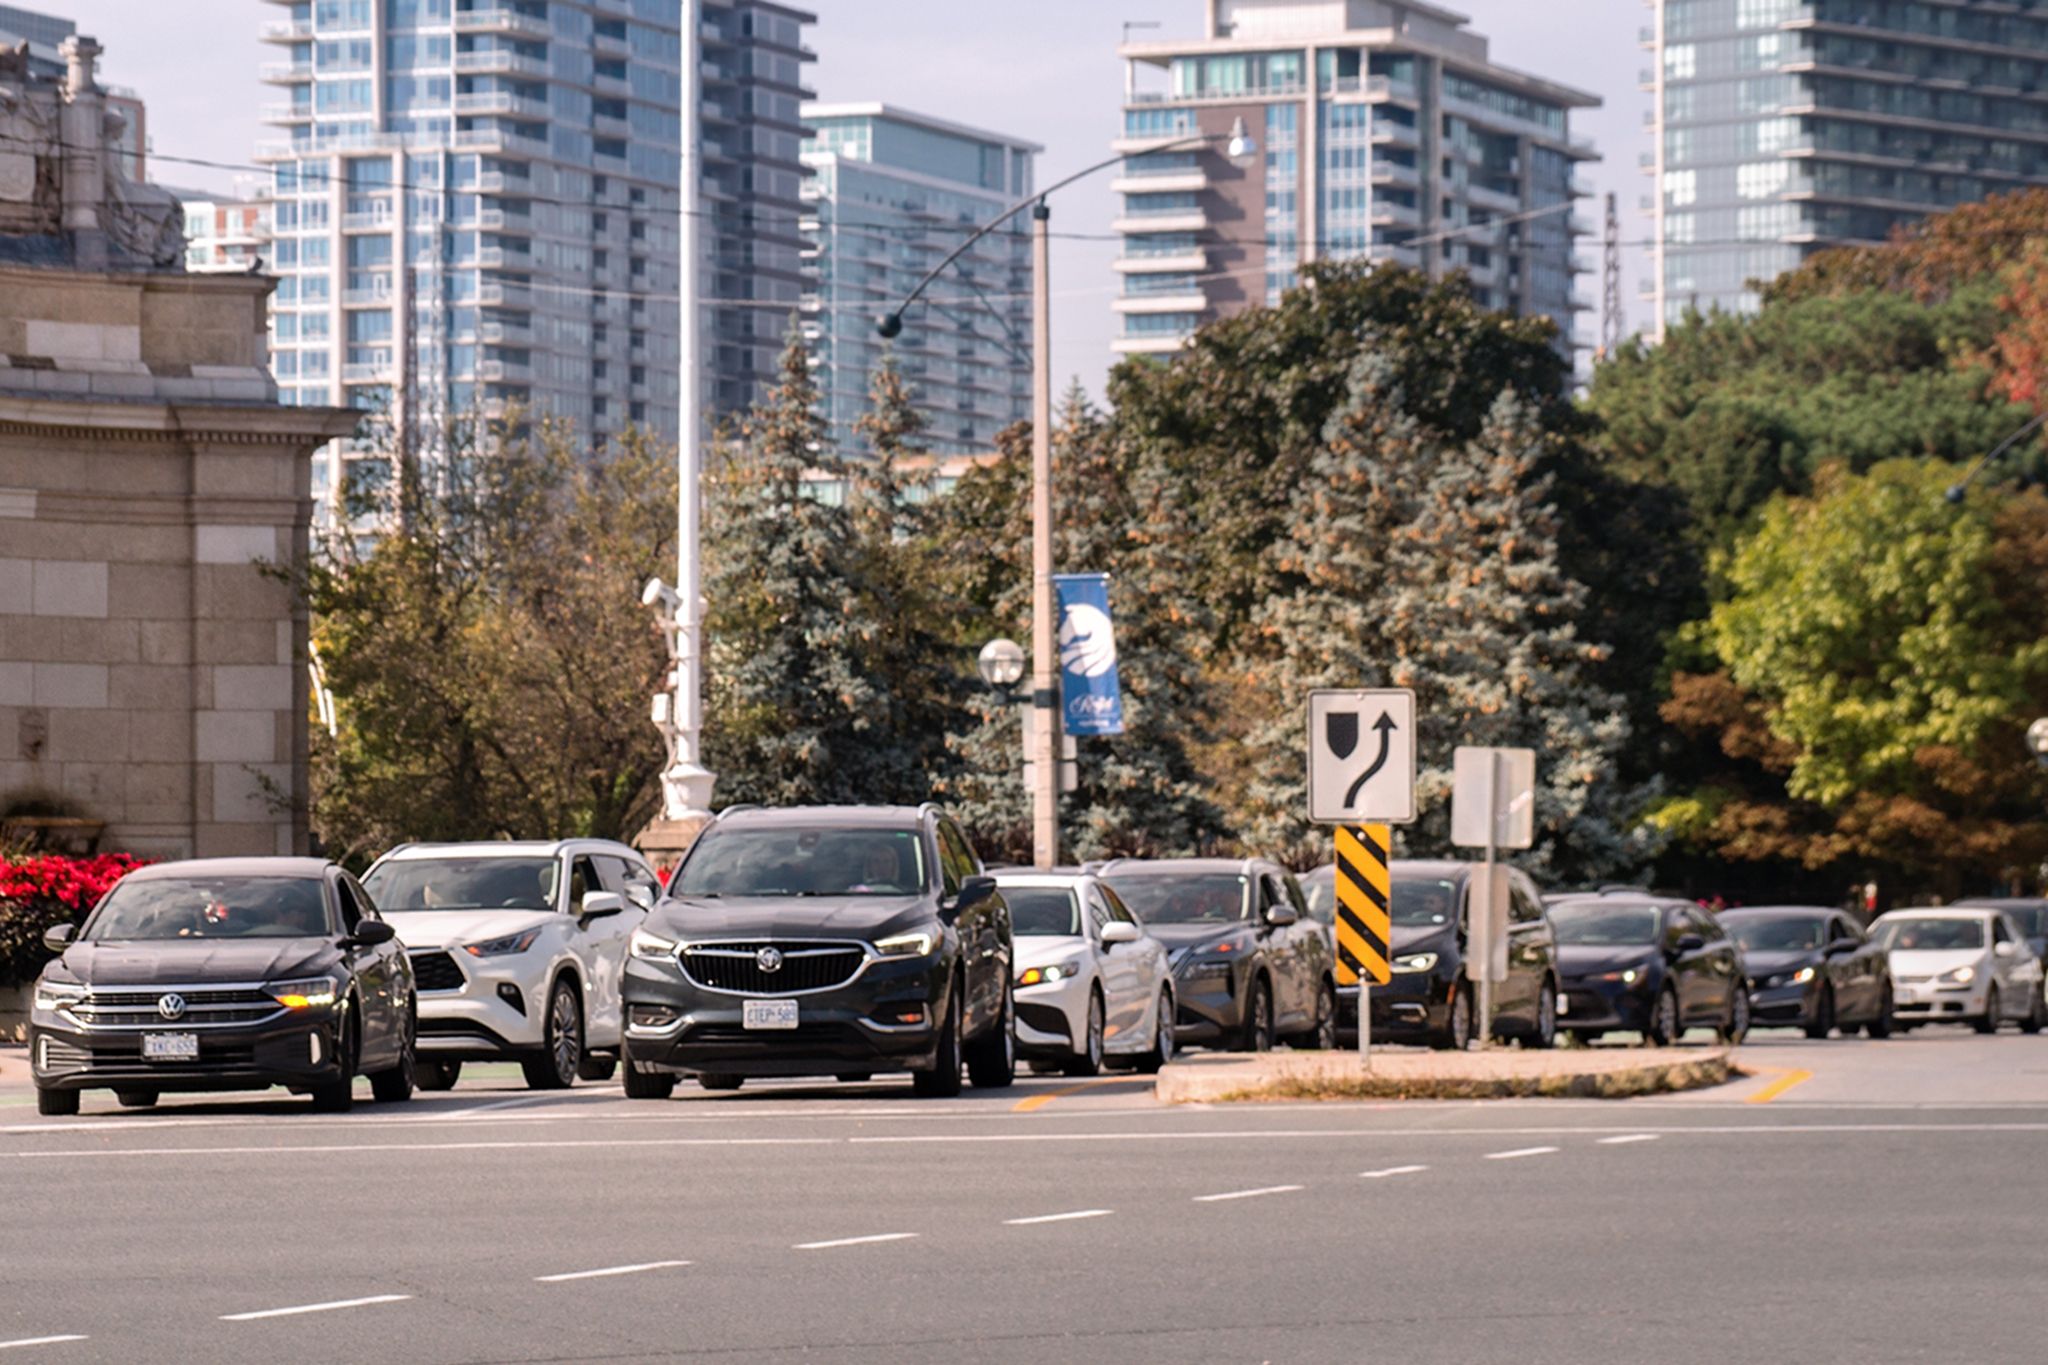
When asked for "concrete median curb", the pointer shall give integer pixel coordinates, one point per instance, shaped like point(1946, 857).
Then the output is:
point(1607, 1074)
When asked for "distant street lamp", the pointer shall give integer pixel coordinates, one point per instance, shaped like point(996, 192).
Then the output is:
point(2037, 741)
point(1001, 664)
point(1044, 699)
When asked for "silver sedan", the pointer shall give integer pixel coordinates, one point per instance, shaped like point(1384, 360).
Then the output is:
point(1092, 985)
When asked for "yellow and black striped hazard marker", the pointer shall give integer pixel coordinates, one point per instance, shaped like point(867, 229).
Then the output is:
point(1362, 889)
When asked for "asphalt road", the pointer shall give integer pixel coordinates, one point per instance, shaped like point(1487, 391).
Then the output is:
point(1847, 1201)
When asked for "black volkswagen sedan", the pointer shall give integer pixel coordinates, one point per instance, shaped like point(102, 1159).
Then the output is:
point(225, 974)
point(1811, 967)
point(1650, 965)
point(826, 940)
point(1249, 964)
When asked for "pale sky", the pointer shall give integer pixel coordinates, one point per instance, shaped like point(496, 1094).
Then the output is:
point(1045, 70)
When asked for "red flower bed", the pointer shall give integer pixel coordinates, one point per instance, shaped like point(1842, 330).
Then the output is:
point(45, 889)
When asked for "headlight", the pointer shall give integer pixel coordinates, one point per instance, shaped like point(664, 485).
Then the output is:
point(1802, 976)
point(316, 992)
point(1627, 977)
point(499, 947)
point(1046, 976)
point(649, 945)
point(1957, 976)
point(55, 995)
point(1415, 962)
point(916, 943)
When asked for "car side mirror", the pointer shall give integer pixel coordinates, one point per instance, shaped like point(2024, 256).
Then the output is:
point(1119, 931)
point(1690, 943)
point(58, 937)
point(600, 904)
point(1280, 916)
point(973, 892)
point(370, 933)
point(2003, 949)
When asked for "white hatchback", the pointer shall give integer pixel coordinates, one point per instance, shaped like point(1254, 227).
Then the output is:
point(1960, 965)
point(1092, 985)
point(518, 950)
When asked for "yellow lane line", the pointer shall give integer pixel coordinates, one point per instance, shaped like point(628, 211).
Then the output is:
point(1045, 1097)
point(1785, 1082)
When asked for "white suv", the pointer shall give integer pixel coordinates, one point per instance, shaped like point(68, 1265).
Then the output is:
point(517, 949)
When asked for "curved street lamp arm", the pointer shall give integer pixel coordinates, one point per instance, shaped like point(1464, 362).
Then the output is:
point(1956, 490)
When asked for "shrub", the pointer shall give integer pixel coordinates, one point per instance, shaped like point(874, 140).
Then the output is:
point(42, 890)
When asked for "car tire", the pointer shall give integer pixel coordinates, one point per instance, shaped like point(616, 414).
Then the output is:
point(1155, 1060)
point(1991, 1020)
point(1323, 1037)
point(339, 1096)
point(436, 1075)
point(1737, 1027)
point(1823, 1021)
point(942, 1079)
point(2036, 1017)
point(561, 1041)
point(1088, 1061)
point(1257, 1033)
point(58, 1104)
point(134, 1099)
point(1665, 1027)
point(395, 1086)
point(597, 1069)
point(1880, 1025)
point(992, 1058)
point(1456, 1034)
point(720, 1080)
point(1545, 1033)
point(644, 1085)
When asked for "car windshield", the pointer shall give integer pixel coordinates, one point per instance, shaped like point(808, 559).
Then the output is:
point(211, 907)
point(1601, 924)
point(1420, 902)
point(413, 884)
point(1185, 898)
point(1043, 910)
point(1929, 934)
point(803, 862)
point(1792, 934)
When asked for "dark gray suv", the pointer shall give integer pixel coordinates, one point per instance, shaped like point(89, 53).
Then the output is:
point(823, 940)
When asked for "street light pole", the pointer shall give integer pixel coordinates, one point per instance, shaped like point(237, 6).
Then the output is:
point(1045, 721)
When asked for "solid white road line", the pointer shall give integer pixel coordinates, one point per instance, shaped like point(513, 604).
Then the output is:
point(38, 1341)
point(1520, 1151)
point(1627, 1138)
point(1245, 1194)
point(608, 1270)
point(314, 1308)
point(1057, 1217)
point(1391, 1170)
point(854, 1241)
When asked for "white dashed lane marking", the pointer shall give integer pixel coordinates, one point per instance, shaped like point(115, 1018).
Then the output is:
point(314, 1308)
point(39, 1341)
point(1391, 1170)
point(1245, 1194)
point(1057, 1217)
point(854, 1241)
point(1519, 1152)
point(1625, 1138)
point(608, 1270)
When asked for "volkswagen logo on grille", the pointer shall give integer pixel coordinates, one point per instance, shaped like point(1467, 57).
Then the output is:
point(769, 959)
point(171, 1006)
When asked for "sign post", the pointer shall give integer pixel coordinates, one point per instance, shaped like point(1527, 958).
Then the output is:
point(1493, 802)
point(1361, 778)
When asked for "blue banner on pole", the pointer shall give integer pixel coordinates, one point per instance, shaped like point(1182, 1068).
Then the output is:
point(1093, 699)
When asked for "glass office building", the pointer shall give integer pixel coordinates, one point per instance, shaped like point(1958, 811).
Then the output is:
point(890, 193)
point(1786, 126)
point(1385, 131)
point(474, 205)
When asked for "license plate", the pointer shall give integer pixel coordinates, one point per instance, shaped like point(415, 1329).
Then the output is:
point(768, 1013)
point(170, 1047)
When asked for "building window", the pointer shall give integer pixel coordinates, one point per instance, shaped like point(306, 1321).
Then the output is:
point(1681, 188)
point(1681, 61)
point(1762, 179)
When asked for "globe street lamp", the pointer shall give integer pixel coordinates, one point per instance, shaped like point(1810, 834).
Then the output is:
point(2037, 741)
point(1001, 664)
point(1044, 698)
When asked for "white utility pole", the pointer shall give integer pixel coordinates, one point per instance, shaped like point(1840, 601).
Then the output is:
point(1044, 701)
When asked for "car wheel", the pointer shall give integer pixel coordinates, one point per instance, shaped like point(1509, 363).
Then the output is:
point(1993, 1015)
point(555, 1069)
point(1664, 1027)
point(645, 1085)
point(1737, 1027)
point(133, 1099)
point(1258, 1016)
point(992, 1058)
point(395, 1086)
point(1088, 1061)
point(1456, 1034)
point(1323, 1037)
point(61, 1104)
point(597, 1068)
point(1823, 1021)
point(1546, 1018)
point(436, 1075)
point(942, 1079)
point(1162, 1038)
point(2035, 1016)
point(339, 1096)
point(1880, 1025)
point(719, 1080)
